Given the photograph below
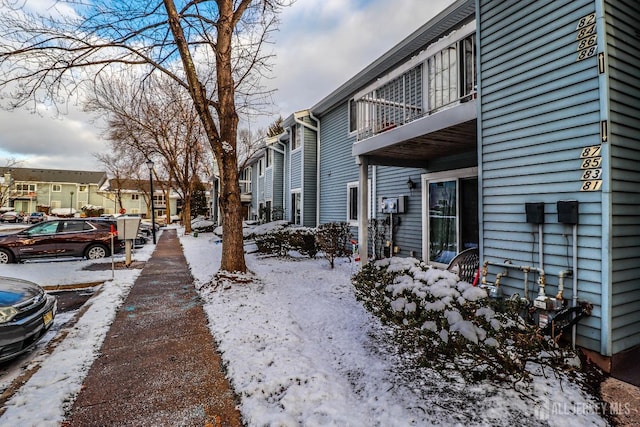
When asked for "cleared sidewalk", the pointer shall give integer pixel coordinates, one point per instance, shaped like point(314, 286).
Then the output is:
point(158, 364)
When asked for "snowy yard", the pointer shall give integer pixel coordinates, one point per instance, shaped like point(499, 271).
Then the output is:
point(299, 350)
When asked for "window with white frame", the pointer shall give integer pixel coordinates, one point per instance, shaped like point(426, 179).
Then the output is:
point(269, 158)
point(261, 167)
point(353, 116)
point(56, 188)
point(296, 207)
point(26, 188)
point(297, 138)
point(451, 73)
point(82, 188)
point(245, 181)
point(135, 197)
point(353, 202)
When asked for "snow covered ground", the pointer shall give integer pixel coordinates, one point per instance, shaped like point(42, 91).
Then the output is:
point(299, 349)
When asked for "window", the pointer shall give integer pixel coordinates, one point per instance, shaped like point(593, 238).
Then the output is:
point(245, 181)
point(353, 114)
point(261, 167)
point(56, 188)
point(452, 214)
point(82, 188)
point(135, 197)
point(269, 158)
point(26, 188)
point(296, 208)
point(353, 203)
point(297, 138)
point(452, 73)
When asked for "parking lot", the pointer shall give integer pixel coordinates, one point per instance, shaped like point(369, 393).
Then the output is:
point(74, 281)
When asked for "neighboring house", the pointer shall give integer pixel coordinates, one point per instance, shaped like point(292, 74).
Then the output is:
point(511, 127)
point(134, 198)
point(50, 190)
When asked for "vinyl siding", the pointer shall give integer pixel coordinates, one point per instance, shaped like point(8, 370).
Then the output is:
point(278, 168)
point(310, 173)
point(392, 182)
point(623, 39)
point(268, 184)
point(296, 169)
point(337, 165)
point(539, 108)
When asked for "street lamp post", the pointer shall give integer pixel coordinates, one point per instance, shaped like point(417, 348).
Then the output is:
point(153, 210)
point(71, 207)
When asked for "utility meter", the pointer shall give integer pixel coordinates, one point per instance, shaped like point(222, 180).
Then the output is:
point(390, 205)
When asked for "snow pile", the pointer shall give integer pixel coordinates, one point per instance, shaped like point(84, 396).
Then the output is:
point(300, 349)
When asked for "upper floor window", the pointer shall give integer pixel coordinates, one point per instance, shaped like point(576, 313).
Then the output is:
point(353, 116)
point(135, 197)
point(451, 73)
point(261, 167)
point(56, 188)
point(297, 137)
point(245, 181)
point(30, 188)
point(269, 158)
point(82, 188)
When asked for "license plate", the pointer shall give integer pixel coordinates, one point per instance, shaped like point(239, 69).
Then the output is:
point(48, 318)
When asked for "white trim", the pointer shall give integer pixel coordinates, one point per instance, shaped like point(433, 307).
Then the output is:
point(448, 175)
point(356, 184)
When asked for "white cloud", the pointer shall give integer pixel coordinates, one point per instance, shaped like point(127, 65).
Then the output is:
point(321, 44)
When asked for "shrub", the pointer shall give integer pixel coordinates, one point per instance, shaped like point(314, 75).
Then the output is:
point(280, 241)
point(333, 239)
point(447, 323)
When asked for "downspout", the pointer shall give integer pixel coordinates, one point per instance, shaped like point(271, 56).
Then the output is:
point(574, 291)
point(317, 167)
point(288, 185)
point(606, 291)
point(315, 129)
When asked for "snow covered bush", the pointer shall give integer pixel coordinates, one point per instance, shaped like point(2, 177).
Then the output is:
point(281, 238)
point(446, 323)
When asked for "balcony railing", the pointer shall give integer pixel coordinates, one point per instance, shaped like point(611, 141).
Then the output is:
point(426, 85)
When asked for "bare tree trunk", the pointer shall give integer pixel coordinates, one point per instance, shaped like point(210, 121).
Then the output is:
point(223, 143)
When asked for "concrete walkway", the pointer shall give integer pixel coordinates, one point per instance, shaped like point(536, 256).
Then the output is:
point(158, 364)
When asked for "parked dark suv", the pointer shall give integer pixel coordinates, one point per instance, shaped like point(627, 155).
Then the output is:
point(72, 237)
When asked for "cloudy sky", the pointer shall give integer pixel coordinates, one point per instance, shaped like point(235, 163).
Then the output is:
point(320, 45)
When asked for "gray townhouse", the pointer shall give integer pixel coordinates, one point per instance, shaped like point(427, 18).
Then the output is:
point(507, 128)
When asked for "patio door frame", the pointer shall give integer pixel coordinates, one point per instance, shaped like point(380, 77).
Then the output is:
point(449, 175)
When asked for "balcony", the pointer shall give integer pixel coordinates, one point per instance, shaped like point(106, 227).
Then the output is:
point(424, 109)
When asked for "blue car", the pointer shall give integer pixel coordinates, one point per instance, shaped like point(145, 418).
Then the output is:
point(26, 313)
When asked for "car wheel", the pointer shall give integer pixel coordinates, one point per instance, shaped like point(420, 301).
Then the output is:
point(6, 257)
point(96, 252)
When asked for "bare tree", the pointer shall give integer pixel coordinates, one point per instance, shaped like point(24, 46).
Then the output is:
point(49, 55)
point(157, 123)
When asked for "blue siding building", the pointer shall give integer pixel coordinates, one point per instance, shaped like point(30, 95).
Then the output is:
point(510, 127)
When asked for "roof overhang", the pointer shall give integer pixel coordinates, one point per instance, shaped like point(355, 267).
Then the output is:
point(447, 132)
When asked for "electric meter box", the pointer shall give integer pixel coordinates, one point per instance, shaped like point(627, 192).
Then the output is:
point(128, 228)
point(392, 205)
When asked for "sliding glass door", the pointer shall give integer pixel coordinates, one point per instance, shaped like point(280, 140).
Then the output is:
point(451, 205)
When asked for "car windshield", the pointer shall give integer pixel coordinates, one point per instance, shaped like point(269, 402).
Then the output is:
point(43, 228)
